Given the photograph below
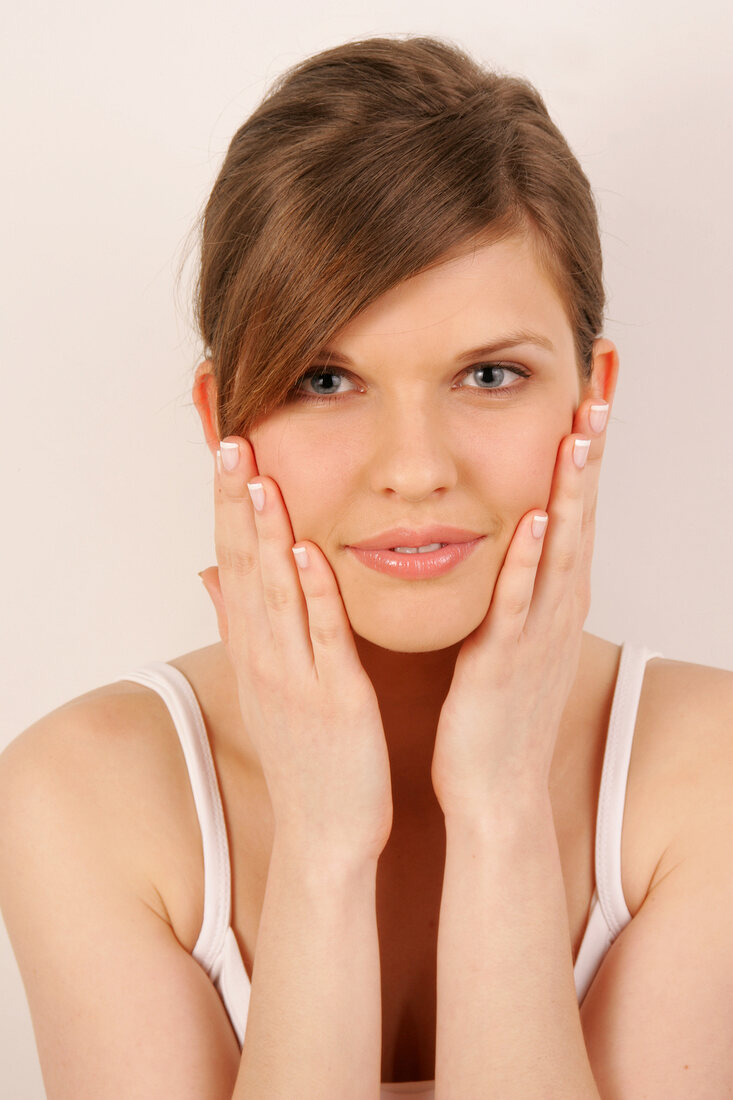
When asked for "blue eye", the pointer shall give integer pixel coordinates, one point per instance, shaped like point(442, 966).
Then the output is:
point(504, 369)
point(320, 376)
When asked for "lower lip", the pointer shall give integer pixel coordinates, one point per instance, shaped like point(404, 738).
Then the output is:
point(433, 563)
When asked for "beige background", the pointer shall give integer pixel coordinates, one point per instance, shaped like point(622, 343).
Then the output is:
point(117, 118)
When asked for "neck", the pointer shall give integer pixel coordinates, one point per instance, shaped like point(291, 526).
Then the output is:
point(408, 677)
point(411, 689)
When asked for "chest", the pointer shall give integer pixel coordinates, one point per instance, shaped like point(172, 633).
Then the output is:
point(410, 878)
point(409, 888)
point(408, 895)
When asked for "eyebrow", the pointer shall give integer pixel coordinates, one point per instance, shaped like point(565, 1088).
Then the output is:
point(500, 343)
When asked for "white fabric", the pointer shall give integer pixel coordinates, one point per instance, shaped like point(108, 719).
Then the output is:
point(609, 914)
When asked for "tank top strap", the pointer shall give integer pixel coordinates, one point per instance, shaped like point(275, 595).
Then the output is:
point(614, 777)
point(179, 697)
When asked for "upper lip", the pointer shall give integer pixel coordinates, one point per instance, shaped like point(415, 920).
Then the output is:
point(423, 536)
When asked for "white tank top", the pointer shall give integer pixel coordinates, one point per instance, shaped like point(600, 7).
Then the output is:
point(217, 950)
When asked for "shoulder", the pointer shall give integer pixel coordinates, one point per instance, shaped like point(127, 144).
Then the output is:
point(666, 983)
point(689, 708)
point(113, 733)
point(106, 771)
point(684, 756)
point(91, 833)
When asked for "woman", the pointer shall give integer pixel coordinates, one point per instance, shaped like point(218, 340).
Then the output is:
point(375, 834)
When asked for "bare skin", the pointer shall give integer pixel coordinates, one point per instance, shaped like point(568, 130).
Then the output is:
point(408, 447)
point(409, 438)
point(410, 870)
point(464, 458)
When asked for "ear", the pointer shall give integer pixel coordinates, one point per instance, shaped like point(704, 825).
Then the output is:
point(602, 384)
point(204, 398)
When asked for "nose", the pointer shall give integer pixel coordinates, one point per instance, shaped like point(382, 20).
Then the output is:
point(413, 455)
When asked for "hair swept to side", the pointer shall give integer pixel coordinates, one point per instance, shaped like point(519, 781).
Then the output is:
point(361, 167)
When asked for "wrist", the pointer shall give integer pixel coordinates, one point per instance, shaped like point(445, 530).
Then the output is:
point(321, 859)
point(511, 816)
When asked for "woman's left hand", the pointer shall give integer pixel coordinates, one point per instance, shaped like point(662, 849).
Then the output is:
point(498, 726)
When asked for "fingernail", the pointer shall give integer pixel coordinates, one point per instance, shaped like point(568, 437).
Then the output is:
point(229, 454)
point(580, 452)
point(598, 414)
point(539, 526)
point(257, 493)
point(301, 557)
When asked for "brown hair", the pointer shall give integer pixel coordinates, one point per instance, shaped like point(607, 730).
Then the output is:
point(361, 167)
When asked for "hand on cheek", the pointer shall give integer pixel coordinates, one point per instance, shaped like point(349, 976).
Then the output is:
point(498, 726)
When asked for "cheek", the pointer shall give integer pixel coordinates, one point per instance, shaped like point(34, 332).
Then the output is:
point(539, 468)
point(515, 470)
point(314, 481)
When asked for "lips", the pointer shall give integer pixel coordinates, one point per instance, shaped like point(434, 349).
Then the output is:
point(416, 567)
point(413, 537)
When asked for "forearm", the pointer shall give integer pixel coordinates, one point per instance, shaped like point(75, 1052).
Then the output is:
point(508, 1023)
point(314, 1024)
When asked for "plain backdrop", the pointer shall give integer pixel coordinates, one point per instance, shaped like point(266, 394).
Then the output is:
point(116, 120)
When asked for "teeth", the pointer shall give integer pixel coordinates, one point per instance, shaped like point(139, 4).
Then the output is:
point(419, 549)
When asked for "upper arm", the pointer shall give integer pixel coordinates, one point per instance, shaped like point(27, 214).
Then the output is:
point(658, 1017)
point(119, 1007)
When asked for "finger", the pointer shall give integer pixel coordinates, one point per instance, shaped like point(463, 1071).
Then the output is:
point(556, 573)
point(592, 420)
point(331, 636)
point(282, 593)
point(515, 584)
point(237, 554)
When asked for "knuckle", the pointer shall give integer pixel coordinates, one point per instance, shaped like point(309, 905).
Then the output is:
point(236, 560)
point(325, 634)
point(261, 674)
point(277, 597)
point(565, 561)
point(233, 489)
point(516, 604)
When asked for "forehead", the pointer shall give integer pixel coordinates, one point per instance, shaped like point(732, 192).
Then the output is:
point(479, 291)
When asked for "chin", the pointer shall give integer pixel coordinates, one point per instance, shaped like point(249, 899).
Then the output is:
point(402, 632)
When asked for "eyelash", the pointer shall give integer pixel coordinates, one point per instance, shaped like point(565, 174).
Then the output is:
point(325, 399)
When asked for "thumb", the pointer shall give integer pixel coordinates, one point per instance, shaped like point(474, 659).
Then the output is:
point(210, 581)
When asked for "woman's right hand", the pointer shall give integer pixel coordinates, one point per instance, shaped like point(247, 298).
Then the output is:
point(307, 703)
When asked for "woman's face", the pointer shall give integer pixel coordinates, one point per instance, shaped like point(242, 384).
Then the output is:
point(416, 434)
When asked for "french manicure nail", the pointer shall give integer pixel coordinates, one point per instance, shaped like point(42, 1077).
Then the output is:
point(301, 557)
point(229, 454)
point(598, 414)
point(580, 452)
point(539, 526)
point(257, 493)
